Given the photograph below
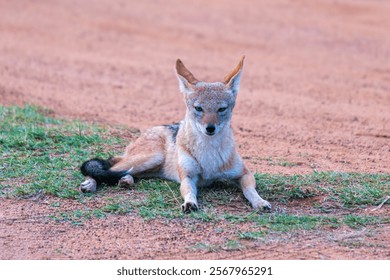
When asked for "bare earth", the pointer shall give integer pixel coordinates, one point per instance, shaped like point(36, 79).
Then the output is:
point(315, 95)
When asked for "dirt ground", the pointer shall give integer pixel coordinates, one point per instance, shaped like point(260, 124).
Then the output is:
point(315, 95)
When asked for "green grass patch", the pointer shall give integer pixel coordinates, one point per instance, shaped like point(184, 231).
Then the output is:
point(360, 221)
point(279, 222)
point(252, 235)
point(229, 245)
point(349, 189)
point(42, 153)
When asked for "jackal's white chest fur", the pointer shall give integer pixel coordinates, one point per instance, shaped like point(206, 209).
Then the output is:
point(216, 158)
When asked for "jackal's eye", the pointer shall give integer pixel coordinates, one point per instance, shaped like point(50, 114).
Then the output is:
point(199, 109)
point(223, 109)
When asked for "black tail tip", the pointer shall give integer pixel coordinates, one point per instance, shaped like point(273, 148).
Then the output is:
point(91, 166)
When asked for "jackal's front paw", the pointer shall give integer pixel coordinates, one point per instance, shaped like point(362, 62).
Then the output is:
point(126, 181)
point(261, 204)
point(88, 185)
point(189, 206)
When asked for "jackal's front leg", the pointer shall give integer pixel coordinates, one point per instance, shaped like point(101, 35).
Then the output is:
point(188, 191)
point(248, 186)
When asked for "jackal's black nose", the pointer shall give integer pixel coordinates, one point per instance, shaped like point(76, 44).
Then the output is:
point(210, 128)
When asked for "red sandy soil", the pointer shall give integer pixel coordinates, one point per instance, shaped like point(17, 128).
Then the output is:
point(315, 95)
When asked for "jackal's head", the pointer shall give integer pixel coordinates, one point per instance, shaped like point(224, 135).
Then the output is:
point(209, 105)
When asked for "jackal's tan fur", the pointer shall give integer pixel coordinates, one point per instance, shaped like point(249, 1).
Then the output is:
point(195, 152)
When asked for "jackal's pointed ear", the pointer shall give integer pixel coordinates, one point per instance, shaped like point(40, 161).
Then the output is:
point(187, 81)
point(232, 80)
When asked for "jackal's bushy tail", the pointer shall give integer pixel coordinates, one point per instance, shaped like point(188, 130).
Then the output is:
point(99, 169)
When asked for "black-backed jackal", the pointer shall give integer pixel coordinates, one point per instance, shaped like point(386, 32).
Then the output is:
point(195, 152)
